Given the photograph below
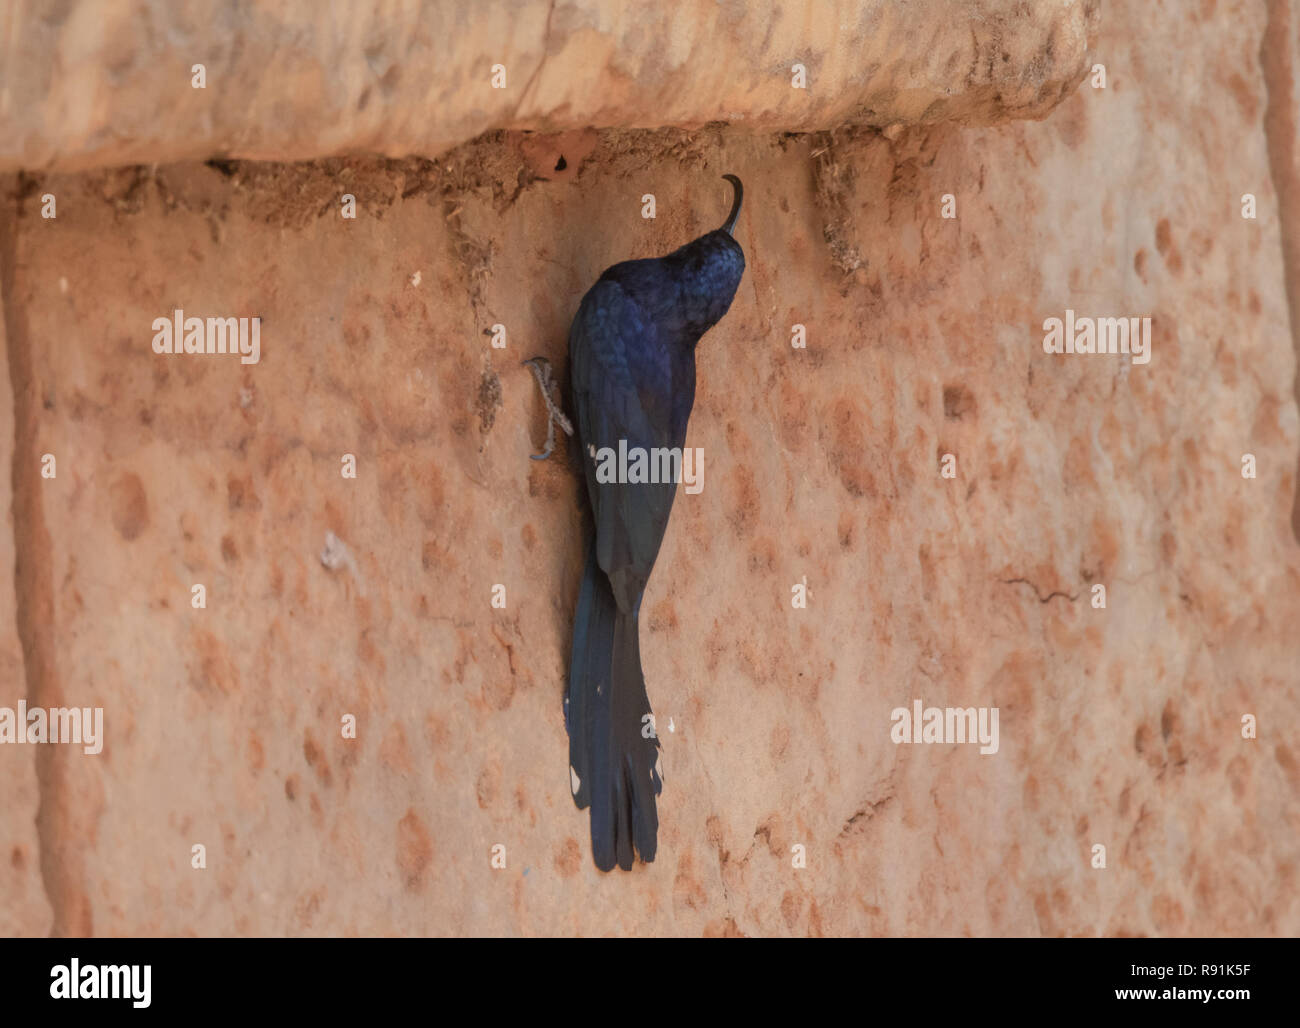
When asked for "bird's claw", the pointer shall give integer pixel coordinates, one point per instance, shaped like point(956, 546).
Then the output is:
point(541, 369)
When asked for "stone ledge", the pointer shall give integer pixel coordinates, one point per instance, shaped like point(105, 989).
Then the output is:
point(108, 83)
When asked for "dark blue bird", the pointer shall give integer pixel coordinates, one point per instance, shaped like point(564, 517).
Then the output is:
point(632, 366)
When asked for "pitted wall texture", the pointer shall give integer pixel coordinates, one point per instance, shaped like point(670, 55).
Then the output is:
point(1119, 726)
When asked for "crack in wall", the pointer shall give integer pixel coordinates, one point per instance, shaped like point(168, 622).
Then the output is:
point(1038, 592)
point(546, 52)
point(61, 864)
point(1276, 59)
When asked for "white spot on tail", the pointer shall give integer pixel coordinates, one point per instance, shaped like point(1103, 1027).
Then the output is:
point(575, 783)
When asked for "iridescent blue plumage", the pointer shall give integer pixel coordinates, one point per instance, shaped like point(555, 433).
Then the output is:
point(632, 365)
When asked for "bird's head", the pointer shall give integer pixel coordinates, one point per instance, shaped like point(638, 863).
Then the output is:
point(708, 271)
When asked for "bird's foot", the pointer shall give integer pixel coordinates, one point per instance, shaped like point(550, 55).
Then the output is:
point(541, 369)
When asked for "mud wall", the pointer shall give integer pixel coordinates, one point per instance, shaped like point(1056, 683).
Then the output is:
point(1120, 725)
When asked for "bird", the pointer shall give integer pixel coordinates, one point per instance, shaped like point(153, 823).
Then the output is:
point(632, 378)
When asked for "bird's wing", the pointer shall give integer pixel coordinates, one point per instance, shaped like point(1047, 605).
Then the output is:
point(623, 390)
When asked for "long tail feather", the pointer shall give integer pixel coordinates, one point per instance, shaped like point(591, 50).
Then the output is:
point(613, 754)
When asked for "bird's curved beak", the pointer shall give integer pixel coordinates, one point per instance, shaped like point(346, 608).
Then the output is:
point(730, 224)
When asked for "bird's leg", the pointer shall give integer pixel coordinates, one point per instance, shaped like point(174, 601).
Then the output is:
point(541, 369)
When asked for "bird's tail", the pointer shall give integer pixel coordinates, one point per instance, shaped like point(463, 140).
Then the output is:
point(613, 748)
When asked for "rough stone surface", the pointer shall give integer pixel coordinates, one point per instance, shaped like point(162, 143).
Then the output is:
point(1279, 57)
point(110, 81)
point(1119, 726)
point(24, 908)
